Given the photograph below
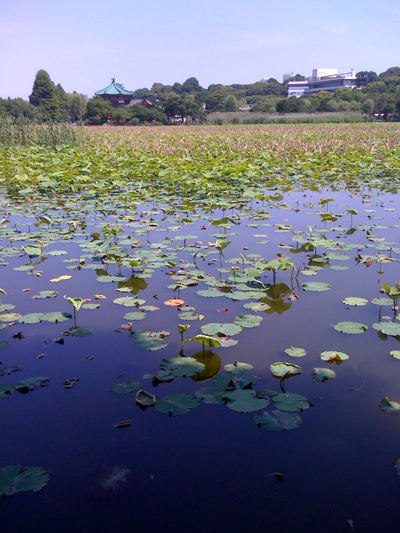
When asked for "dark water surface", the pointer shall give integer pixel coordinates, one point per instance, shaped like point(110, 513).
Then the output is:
point(209, 470)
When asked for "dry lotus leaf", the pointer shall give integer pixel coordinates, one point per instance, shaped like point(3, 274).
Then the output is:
point(174, 302)
point(60, 278)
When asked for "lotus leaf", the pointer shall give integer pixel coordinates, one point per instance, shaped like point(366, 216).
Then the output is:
point(388, 328)
point(248, 321)
point(382, 301)
point(315, 286)
point(277, 421)
point(295, 352)
point(290, 402)
point(129, 301)
point(125, 387)
point(353, 328)
point(395, 354)
point(145, 399)
point(323, 374)
point(210, 395)
point(45, 294)
point(81, 332)
point(15, 478)
point(135, 316)
point(182, 366)
point(332, 356)
point(285, 370)
point(245, 401)
point(177, 404)
point(30, 384)
point(215, 329)
point(256, 306)
point(387, 406)
point(237, 367)
point(146, 340)
point(355, 301)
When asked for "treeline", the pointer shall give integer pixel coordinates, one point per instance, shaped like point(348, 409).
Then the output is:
point(375, 94)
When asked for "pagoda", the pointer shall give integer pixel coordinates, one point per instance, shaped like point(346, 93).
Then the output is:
point(115, 94)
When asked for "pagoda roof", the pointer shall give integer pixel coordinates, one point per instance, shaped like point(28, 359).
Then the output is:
point(114, 88)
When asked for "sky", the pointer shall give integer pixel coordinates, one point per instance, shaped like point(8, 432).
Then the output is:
point(82, 44)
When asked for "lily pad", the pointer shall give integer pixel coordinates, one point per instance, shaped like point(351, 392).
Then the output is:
point(323, 374)
point(248, 321)
point(210, 395)
point(295, 352)
point(144, 399)
point(15, 478)
point(45, 294)
point(216, 329)
point(135, 316)
point(315, 286)
point(353, 328)
point(290, 402)
point(237, 367)
point(30, 384)
point(182, 366)
point(125, 387)
point(355, 301)
point(332, 356)
point(382, 301)
point(387, 406)
point(395, 354)
point(284, 370)
point(146, 340)
point(278, 421)
point(245, 401)
point(177, 404)
point(81, 332)
point(388, 328)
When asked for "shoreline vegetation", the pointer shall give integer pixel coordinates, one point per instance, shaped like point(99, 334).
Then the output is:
point(198, 162)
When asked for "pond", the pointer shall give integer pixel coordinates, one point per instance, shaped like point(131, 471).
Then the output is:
point(177, 366)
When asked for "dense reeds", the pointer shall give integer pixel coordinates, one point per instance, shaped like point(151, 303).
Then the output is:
point(246, 117)
point(24, 132)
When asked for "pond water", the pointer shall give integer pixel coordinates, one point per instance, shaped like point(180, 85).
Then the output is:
point(332, 464)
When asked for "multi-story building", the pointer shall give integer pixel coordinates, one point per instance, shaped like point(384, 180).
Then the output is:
point(322, 80)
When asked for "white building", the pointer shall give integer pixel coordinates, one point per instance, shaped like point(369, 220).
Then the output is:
point(288, 76)
point(322, 79)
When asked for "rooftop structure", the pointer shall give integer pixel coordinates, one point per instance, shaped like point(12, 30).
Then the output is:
point(288, 76)
point(322, 79)
point(115, 94)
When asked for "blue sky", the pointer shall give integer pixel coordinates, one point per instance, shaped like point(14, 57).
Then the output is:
point(82, 44)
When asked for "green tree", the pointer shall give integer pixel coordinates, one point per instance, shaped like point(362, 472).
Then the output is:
point(44, 95)
point(368, 106)
point(97, 111)
point(231, 103)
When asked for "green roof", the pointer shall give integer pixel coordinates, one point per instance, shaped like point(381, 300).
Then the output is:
point(113, 88)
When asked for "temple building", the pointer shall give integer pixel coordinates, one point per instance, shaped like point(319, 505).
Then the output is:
point(116, 94)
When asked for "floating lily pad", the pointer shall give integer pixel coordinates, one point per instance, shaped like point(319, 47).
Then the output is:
point(278, 421)
point(388, 328)
point(125, 387)
point(395, 354)
point(290, 402)
point(144, 399)
point(45, 294)
point(177, 404)
point(7, 370)
point(332, 356)
point(30, 384)
point(382, 301)
point(295, 352)
point(129, 301)
point(81, 332)
point(323, 374)
point(210, 395)
point(237, 367)
point(248, 321)
point(387, 406)
point(135, 316)
point(215, 329)
point(15, 478)
point(245, 401)
point(353, 328)
point(182, 366)
point(146, 340)
point(355, 301)
point(285, 370)
point(315, 286)
point(256, 306)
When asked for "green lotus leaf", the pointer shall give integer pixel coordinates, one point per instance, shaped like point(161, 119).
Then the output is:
point(352, 328)
point(81, 332)
point(135, 316)
point(56, 317)
point(45, 294)
point(125, 387)
point(207, 340)
point(295, 352)
point(284, 370)
point(9, 317)
point(31, 318)
point(182, 366)
point(290, 402)
point(382, 301)
point(355, 301)
point(323, 374)
point(6, 307)
point(110, 279)
point(388, 328)
point(256, 306)
point(226, 381)
point(244, 295)
point(15, 478)
point(129, 301)
point(216, 329)
point(210, 293)
point(248, 321)
point(32, 251)
point(91, 306)
point(387, 406)
point(332, 356)
point(315, 286)
point(278, 421)
point(3, 344)
point(30, 384)
point(245, 401)
point(7, 370)
point(210, 395)
point(189, 315)
point(237, 367)
point(177, 404)
point(6, 391)
point(395, 354)
point(145, 340)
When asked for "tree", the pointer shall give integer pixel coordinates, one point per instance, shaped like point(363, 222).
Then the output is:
point(191, 85)
point(231, 103)
point(44, 95)
point(364, 77)
point(368, 106)
point(98, 110)
point(393, 71)
point(173, 105)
